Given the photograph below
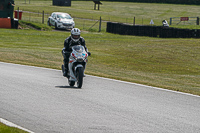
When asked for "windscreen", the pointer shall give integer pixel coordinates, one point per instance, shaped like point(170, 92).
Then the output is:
point(79, 48)
point(64, 16)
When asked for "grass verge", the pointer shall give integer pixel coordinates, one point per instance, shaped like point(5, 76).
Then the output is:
point(123, 12)
point(168, 63)
point(7, 129)
point(37, 26)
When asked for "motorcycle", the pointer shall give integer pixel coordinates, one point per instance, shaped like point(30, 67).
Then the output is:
point(77, 64)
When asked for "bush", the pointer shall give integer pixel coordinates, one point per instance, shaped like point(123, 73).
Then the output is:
point(188, 2)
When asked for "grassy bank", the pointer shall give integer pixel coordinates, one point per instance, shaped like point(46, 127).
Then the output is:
point(168, 63)
point(6, 129)
point(123, 12)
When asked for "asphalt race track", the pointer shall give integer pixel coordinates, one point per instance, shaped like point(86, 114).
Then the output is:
point(40, 100)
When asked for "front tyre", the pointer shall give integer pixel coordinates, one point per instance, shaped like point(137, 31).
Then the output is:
point(79, 77)
point(48, 23)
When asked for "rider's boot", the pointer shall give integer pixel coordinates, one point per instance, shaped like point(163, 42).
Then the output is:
point(65, 74)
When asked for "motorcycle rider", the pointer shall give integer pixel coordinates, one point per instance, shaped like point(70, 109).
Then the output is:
point(72, 40)
point(164, 22)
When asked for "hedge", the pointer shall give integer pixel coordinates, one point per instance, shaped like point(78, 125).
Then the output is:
point(188, 2)
point(151, 31)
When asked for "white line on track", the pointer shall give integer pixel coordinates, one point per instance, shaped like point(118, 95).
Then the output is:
point(10, 124)
point(183, 93)
point(146, 86)
point(14, 125)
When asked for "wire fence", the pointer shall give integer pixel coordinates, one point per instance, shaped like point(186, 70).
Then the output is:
point(81, 23)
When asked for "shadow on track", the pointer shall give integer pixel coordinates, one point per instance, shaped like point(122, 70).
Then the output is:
point(67, 87)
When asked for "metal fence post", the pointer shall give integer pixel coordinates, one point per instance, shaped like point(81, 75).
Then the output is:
point(100, 25)
point(18, 13)
point(43, 17)
point(170, 22)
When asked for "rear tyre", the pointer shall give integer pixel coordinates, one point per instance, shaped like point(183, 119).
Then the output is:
point(71, 83)
point(79, 77)
point(56, 27)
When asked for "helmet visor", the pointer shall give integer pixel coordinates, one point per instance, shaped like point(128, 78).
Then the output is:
point(76, 36)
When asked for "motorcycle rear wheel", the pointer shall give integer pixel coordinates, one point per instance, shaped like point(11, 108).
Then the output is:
point(71, 83)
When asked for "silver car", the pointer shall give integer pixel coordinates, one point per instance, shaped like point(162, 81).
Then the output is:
point(61, 20)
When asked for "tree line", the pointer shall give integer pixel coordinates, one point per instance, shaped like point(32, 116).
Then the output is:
point(188, 2)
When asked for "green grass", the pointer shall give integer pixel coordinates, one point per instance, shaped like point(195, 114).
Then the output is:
point(122, 12)
point(168, 63)
point(35, 25)
point(6, 129)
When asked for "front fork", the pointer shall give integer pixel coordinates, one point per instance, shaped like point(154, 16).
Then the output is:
point(72, 73)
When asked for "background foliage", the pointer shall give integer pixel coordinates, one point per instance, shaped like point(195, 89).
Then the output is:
point(193, 2)
point(189, 2)
point(167, 63)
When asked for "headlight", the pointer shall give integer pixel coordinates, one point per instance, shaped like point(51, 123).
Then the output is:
point(58, 20)
point(80, 59)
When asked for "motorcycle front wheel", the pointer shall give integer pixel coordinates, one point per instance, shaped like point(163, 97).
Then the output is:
point(79, 76)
